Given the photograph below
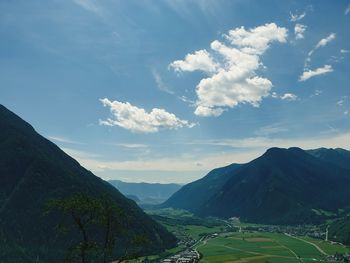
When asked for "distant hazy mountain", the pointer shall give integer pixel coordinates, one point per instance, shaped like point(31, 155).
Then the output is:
point(34, 170)
point(147, 193)
point(283, 186)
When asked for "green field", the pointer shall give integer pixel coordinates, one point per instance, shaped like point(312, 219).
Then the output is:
point(248, 247)
point(264, 247)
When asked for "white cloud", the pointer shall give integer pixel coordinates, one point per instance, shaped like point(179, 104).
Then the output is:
point(187, 100)
point(289, 97)
point(312, 73)
point(299, 31)
point(232, 77)
point(297, 17)
point(325, 41)
point(342, 100)
point(259, 38)
point(344, 51)
point(347, 10)
point(200, 60)
point(137, 119)
point(160, 83)
point(316, 93)
point(274, 95)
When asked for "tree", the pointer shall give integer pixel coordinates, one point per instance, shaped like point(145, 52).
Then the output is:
point(98, 221)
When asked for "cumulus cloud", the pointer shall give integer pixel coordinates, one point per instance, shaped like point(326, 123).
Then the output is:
point(200, 60)
point(299, 31)
point(289, 97)
point(312, 73)
point(297, 17)
point(137, 119)
point(231, 68)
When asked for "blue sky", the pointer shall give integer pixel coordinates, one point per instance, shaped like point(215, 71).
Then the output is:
point(164, 91)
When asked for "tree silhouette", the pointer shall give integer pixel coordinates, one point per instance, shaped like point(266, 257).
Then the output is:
point(98, 220)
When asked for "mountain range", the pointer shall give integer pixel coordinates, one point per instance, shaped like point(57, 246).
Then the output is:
point(33, 171)
point(146, 193)
point(283, 186)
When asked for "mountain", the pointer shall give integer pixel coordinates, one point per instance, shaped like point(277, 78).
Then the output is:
point(283, 186)
point(33, 170)
point(147, 193)
point(339, 230)
point(338, 156)
point(193, 195)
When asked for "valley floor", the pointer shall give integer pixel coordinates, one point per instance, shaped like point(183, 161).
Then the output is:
point(220, 241)
point(266, 247)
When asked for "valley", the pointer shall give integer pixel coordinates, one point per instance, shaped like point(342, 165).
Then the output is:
point(217, 240)
point(275, 208)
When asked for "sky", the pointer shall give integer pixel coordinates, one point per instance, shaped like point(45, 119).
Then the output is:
point(165, 91)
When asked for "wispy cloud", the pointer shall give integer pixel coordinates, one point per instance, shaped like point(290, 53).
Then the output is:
point(80, 154)
point(341, 101)
point(341, 140)
point(137, 119)
point(132, 145)
point(323, 42)
point(312, 73)
point(296, 17)
point(347, 9)
point(89, 5)
point(160, 83)
point(317, 92)
point(63, 140)
point(270, 129)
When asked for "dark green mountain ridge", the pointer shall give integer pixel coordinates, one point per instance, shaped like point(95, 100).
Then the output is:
point(282, 186)
point(34, 170)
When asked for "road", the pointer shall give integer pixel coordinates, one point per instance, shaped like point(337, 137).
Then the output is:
point(310, 243)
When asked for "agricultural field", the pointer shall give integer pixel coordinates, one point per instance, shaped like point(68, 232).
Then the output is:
point(265, 247)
